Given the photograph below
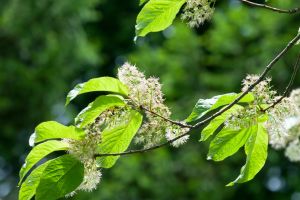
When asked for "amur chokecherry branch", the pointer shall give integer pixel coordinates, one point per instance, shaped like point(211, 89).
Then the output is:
point(279, 10)
point(201, 123)
point(288, 87)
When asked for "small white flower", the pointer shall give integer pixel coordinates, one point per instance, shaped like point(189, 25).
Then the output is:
point(196, 12)
point(293, 151)
point(175, 131)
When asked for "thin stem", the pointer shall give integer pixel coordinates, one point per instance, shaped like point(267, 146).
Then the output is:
point(288, 87)
point(168, 120)
point(261, 77)
point(201, 123)
point(279, 10)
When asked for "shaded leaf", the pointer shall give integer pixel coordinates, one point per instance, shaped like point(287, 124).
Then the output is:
point(61, 176)
point(102, 84)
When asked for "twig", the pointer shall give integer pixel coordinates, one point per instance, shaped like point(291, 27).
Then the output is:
point(199, 124)
point(279, 10)
point(168, 120)
point(288, 87)
point(261, 77)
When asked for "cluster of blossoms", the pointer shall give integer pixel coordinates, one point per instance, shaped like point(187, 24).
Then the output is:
point(283, 124)
point(146, 93)
point(85, 149)
point(196, 12)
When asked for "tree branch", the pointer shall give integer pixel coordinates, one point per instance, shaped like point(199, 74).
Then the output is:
point(201, 123)
point(288, 87)
point(279, 10)
point(168, 120)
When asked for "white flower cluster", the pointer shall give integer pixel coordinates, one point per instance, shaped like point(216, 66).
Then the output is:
point(242, 118)
point(85, 149)
point(147, 94)
point(175, 131)
point(283, 124)
point(262, 92)
point(196, 12)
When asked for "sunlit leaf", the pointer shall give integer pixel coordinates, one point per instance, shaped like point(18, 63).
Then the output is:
point(94, 109)
point(118, 139)
point(102, 84)
point(256, 150)
point(227, 142)
point(28, 187)
point(39, 152)
point(217, 122)
point(54, 130)
point(61, 176)
point(203, 106)
point(157, 15)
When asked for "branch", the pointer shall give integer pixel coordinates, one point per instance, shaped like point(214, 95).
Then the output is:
point(288, 87)
point(168, 120)
point(279, 10)
point(199, 124)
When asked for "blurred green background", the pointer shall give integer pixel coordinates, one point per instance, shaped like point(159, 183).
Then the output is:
point(46, 47)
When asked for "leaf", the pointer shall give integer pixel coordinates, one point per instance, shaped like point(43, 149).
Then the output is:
point(217, 122)
point(203, 106)
point(28, 187)
point(39, 152)
point(94, 109)
point(102, 84)
point(118, 139)
point(256, 150)
point(143, 2)
point(62, 176)
point(54, 130)
point(157, 15)
point(226, 143)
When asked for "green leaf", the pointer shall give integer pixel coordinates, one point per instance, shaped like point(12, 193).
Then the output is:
point(54, 130)
point(102, 84)
point(256, 150)
point(28, 187)
point(143, 2)
point(39, 152)
point(62, 176)
point(157, 15)
point(226, 143)
point(94, 109)
point(217, 122)
point(118, 139)
point(203, 106)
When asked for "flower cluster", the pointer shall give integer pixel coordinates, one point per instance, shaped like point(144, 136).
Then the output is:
point(242, 118)
point(175, 131)
point(262, 92)
point(85, 149)
point(146, 94)
point(196, 12)
point(283, 123)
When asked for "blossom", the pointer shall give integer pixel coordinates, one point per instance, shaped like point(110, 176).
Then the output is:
point(175, 131)
point(292, 152)
point(262, 92)
point(196, 12)
point(146, 93)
